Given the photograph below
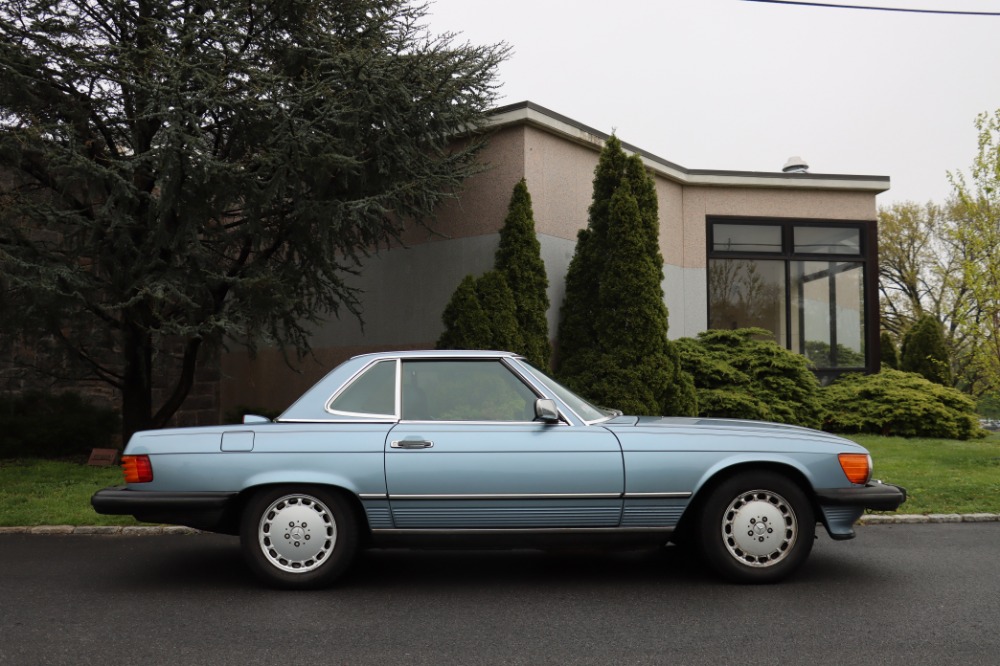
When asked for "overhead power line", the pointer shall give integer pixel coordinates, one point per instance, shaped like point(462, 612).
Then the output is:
point(876, 8)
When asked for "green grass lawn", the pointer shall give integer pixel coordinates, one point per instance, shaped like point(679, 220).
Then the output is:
point(50, 492)
point(940, 476)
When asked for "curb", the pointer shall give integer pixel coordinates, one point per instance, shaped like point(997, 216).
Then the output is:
point(153, 530)
point(101, 530)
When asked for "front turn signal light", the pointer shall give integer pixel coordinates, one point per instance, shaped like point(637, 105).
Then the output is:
point(857, 466)
point(137, 469)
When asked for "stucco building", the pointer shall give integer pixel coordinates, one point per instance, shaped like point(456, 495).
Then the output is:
point(793, 252)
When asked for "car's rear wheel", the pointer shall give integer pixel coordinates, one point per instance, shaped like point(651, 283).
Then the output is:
point(756, 527)
point(298, 538)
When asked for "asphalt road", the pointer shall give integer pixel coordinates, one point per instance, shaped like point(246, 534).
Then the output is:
point(898, 594)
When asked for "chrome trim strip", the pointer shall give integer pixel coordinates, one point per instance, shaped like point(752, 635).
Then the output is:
point(522, 530)
point(510, 496)
point(657, 495)
point(375, 420)
point(373, 496)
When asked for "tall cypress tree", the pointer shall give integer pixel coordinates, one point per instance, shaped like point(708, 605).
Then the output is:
point(577, 332)
point(519, 260)
point(506, 307)
point(618, 352)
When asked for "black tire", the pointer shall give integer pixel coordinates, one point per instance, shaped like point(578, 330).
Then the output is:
point(315, 545)
point(756, 527)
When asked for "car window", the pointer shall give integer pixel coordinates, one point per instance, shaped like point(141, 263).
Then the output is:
point(437, 390)
point(373, 392)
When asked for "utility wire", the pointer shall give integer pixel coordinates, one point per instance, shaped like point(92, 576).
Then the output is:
point(877, 9)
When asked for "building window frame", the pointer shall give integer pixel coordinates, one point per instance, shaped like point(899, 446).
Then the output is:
point(792, 257)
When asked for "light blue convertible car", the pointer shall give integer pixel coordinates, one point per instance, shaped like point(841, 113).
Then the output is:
point(421, 447)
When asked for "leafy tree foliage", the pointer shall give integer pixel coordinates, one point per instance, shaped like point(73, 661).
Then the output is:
point(180, 174)
point(613, 345)
point(920, 257)
point(889, 354)
point(924, 351)
point(978, 233)
point(744, 374)
point(519, 260)
point(898, 403)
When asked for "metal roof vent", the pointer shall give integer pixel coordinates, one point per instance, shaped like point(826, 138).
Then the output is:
point(795, 164)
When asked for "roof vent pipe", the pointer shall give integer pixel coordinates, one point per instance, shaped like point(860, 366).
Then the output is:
point(795, 164)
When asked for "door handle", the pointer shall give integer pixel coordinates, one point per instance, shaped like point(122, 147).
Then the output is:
point(411, 444)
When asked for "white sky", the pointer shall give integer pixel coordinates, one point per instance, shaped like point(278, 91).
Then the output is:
point(728, 84)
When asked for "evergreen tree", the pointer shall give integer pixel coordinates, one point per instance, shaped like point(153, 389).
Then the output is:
point(925, 352)
point(497, 300)
point(177, 175)
point(465, 322)
point(890, 357)
point(506, 307)
point(618, 353)
point(577, 333)
point(519, 260)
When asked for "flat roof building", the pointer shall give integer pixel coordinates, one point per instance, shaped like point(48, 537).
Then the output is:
point(789, 251)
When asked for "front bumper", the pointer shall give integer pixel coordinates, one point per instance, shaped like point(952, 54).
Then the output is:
point(876, 496)
point(210, 511)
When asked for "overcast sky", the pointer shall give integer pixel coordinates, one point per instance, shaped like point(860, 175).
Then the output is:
point(729, 84)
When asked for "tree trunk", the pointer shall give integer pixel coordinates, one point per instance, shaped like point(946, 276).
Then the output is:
point(137, 386)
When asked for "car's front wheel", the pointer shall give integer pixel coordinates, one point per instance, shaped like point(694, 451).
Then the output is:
point(756, 527)
point(298, 538)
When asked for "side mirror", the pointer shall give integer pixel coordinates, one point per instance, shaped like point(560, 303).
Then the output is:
point(546, 411)
point(249, 419)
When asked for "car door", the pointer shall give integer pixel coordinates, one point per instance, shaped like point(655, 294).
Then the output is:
point(468, 454)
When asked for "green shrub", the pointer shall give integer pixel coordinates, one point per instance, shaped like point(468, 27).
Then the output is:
point(45, 425)
point(889, 355)
point(742, 374)
point(898, 403)
point(925, 351)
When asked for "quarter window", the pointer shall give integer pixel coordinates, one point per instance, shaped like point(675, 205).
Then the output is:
point(372, 393)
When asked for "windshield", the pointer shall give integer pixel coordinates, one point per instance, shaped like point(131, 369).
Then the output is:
point(583, 409)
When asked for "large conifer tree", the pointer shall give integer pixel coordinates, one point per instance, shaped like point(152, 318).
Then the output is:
point(179, 175)
point(614, 318)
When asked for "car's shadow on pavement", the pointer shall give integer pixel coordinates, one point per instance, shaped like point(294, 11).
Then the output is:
point(215, 562)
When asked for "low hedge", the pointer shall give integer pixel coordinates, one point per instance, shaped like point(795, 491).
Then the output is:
point(54, 425)
point(898, 403)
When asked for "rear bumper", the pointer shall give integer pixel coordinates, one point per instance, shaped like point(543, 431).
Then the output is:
point(876, 496)
point(210, 511)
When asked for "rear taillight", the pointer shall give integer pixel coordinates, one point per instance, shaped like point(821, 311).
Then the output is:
point(137, 469)
point(857, 466)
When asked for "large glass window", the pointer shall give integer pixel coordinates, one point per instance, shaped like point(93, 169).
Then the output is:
point(747, 293)
point(803, 281)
